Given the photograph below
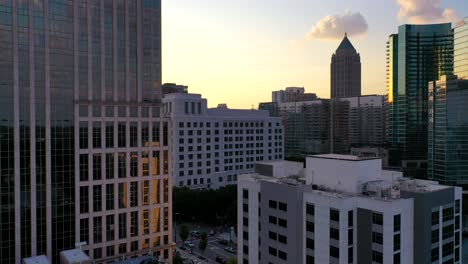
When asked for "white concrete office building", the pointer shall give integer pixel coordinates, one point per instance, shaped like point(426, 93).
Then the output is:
point(214, 145)
point(345, 209)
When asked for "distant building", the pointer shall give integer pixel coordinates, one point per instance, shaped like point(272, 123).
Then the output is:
point(345, 209)
point(345, 71)
point(292, 94)
point(461, 49)
point(416, 55)
point(214, 145)
point(168, 88)
point(333, 125)
point(271, 107)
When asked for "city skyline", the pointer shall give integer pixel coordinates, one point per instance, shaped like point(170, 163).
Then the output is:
point(256, 48)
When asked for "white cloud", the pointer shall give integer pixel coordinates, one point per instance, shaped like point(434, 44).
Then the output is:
point(333, 27)
point(425, 11)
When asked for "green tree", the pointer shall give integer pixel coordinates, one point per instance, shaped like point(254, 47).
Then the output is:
point(177, 259)
point(184, 232)
point(231, 260)
point(203, 242)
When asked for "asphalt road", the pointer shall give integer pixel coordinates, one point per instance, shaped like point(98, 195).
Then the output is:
point(213, 250)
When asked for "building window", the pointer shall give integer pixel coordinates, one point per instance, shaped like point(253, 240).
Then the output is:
point(272, 220)
point(377, 257)
point(396, 242)
point(350, 218)
point(350, 236)
point(272, 251)
point(282, 222)
point(447, 249)
point(282, 206)
point(282, 239)
point(435, 218)
point(334, 252)
point(396, 258)
point(310, 244)
point(97, 198)
point(334, 234)
point(396, 223)
point(435, 236)
point(377, 238)
point(310, 259)
point(272, 235)
point(447, 214)
point(435, 254)
point(447, 231)
point(245, 193)
point(310, 226)
point(350, 255)
point(334, 215)
point(310, 209)
point(273, 204)
point(377, 219)
point(282, 255)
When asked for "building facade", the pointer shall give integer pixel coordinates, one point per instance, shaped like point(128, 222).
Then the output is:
point(333, 125)
point(292, 94)
point(345, 209)
point(214, 145)
point(416, 55)
point(460, 53)
point(79, 98)
point(345, 71)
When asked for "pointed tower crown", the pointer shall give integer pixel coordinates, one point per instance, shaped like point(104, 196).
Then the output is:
point(345, 44)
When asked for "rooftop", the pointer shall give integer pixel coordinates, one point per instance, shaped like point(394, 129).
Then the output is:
point(343, 157)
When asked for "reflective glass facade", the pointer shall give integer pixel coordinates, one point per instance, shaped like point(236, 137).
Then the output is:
point(461, 49)
point(424, 53)
point(448, 131)
point(77, 78)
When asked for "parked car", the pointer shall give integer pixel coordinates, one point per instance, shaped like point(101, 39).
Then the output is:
point(195, 233)
point(230, 250)
point(221, 260)
point(188, 244)
point(183, 248)
point(212, 233)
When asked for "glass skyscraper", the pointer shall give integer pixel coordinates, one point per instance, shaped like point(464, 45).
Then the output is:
point(84, 153)
point(416, 55)
point(448, 131)
point(461, 49)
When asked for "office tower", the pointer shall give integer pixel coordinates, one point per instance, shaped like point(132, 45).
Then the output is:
point(345, 75)
point(271, 107)
point(292, 94)
point(416, 55)
point(345, 209)
point(447, 132)
point(461, 49)
point(214, 145)
point(80, 92)
point(168, 88)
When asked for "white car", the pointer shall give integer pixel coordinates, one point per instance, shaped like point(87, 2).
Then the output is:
point(188, 244)
point(230, 250)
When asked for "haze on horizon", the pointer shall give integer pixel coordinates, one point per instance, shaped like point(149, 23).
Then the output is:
point(237, 52)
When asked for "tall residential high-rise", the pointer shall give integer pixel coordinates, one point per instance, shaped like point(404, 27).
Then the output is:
point(416, 55)
point(214, 145)
point(461, 49)
point(84, 154)
point(345, 209)
point(332, 125)
point(345, 71)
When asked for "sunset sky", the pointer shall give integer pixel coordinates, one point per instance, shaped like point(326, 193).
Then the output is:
point(238, 51)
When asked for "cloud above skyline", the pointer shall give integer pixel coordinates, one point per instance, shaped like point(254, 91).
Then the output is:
point(425, 11)
point(333, 27)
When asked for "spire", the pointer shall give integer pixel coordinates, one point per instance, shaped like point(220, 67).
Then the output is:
point(346, 44)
